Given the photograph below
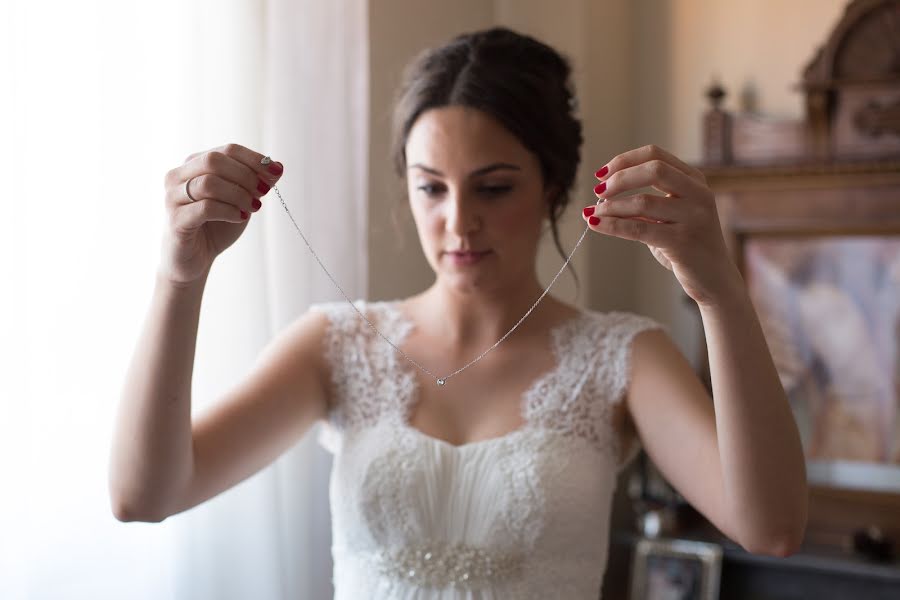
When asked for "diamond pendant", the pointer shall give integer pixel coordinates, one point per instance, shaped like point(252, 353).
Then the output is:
point(441, 382)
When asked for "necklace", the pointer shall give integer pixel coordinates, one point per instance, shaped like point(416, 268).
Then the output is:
point(440, 380)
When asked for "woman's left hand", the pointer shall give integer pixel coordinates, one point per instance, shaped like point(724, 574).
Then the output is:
point(681, 228)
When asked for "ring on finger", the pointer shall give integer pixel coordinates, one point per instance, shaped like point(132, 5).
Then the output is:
point(187, 190)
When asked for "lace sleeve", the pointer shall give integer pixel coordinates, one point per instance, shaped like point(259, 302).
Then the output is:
point(362, 378)
point(338, 340)
point(365, 384)
point(619, 341)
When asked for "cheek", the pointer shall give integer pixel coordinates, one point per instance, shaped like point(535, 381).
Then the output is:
point(507, 226)
point(429, 223)
point(522, 226)
point(432, 220)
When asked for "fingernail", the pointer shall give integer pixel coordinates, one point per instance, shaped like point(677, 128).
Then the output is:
point(262, 187)
point(594, 221)
point(245, 215)
point(600, 188)
point(256, 204)
point(588, 210)
point(276, 168)
point(602, 172)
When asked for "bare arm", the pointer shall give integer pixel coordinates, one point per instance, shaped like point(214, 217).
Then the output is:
point(159, 460)
point(151, 455)
point(737, 457)
point(763, 467)
point(164, 462)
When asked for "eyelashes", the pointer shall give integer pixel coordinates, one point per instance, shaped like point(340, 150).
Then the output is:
point(486, 190)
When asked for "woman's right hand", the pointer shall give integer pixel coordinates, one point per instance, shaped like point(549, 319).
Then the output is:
point(227, 183)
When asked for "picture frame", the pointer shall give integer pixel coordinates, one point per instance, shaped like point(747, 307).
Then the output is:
point(807, 228)
point(675, 569)
point(829, 306)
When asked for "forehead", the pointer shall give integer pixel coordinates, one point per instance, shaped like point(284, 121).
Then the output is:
point(457, 137)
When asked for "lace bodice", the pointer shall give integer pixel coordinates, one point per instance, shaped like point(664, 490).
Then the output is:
point(524, 515)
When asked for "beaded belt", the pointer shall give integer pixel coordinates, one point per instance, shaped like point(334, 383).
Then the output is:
point(443, 564)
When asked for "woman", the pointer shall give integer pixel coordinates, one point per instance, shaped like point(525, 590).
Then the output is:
point(497, 484)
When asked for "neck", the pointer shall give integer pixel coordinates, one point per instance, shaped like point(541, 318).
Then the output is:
point(480, 318)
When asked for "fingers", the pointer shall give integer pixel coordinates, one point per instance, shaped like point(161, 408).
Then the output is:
point(656, 208)
point(192, 216)
point(269, 173)
point(649, 153)
point(684, 222)
point(655, 173)
point(638, 229)
point(231, 163)
point(207, 186)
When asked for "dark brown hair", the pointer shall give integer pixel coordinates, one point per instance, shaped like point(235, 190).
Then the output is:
point(519, 81)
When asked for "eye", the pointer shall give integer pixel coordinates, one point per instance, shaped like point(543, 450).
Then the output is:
point(430, 189)
point(495, 190)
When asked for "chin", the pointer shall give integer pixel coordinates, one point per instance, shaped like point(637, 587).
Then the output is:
point(465, 282)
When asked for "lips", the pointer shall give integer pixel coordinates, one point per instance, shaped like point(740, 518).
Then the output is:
point(464, 258)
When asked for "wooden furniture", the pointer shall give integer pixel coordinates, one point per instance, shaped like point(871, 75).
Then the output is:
point(852, 91)
point(836, 172)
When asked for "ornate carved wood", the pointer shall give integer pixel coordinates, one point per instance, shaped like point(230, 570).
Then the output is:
point(852, 91)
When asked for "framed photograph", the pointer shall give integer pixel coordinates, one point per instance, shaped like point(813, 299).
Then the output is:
point(667, 569)
point(829, 306)
point(818, 246)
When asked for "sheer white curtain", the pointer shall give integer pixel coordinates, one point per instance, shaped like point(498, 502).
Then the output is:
point(99, 99)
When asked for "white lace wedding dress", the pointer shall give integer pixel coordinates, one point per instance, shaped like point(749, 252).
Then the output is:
point(524, 515)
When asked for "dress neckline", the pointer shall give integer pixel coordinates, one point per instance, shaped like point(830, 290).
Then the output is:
point(558, 335)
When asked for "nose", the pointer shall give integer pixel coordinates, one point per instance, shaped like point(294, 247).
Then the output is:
point(461, 217)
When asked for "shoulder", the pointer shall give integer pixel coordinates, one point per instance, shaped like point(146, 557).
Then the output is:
point(353, 348)
point(343, 318)
point(615, 331)
point(617, 322)
point(340, 332)
point(614, 336)
point(344, 314)
point(336, 310)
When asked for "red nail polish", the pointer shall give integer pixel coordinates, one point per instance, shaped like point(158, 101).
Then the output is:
point(594, 221)
point(256, 204)
point(245, 215)
point(600, 188)
point(262, 187)
point(276, 168)
point(588, 210)
point(602, 172)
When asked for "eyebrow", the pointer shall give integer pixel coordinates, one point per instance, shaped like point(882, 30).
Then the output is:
point(475, 173)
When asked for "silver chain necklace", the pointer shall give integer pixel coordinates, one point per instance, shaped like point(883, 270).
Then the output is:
point(440, 380)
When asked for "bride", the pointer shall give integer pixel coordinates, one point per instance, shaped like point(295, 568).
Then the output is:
point(496, 483)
